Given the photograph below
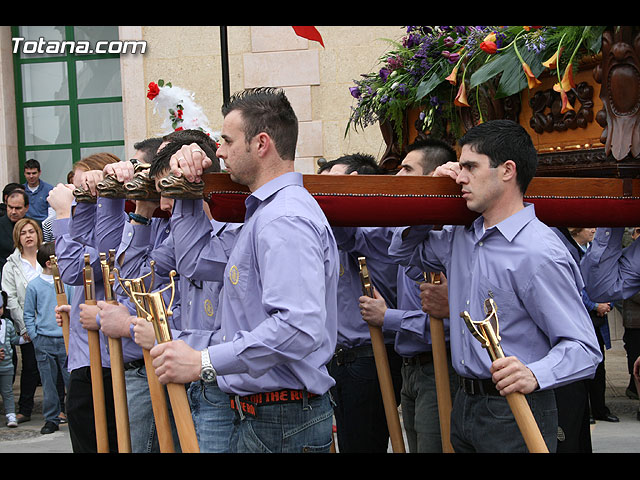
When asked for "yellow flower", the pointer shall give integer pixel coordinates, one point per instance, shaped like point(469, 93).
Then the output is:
point(490, 38)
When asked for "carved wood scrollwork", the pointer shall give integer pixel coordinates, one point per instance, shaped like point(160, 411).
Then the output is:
point(619, 75)
point(546, 106)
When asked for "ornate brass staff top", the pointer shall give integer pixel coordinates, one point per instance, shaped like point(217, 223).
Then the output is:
point(489, 337)
point(95, 359)
point(153, 307)
point(156, 390)
point(117, 361)
point(382, 366)
point(61, 299)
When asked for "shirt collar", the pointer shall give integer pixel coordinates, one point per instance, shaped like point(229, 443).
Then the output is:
point(272, 187)
point(510, 226)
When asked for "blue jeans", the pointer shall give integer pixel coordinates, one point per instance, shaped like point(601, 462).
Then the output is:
point(142, 425)
point(419, 400)
point(212, 417)
point(51, 355)
point(296, 427)
point(485, 423)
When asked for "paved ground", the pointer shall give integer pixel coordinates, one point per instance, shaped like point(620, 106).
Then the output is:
point(621, 437)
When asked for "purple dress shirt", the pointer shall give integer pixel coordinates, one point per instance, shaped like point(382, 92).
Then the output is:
point(278, 302)
point(611, 272)
point(535, 283)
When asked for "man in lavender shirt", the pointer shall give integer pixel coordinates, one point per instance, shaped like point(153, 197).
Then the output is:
point(508, 255)
point(278, 301)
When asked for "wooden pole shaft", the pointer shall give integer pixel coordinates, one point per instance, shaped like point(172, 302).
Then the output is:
point(119, 395)
point(527, 423)
point(182, 416)
point(97, 390)
point(443, 390)
point(61, 299)
point(386, 389)
point(159, 406)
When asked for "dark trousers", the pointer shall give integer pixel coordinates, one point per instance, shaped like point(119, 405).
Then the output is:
point(631, 340)
point(29, 379)
point(82, 429)
point(485, 424)
point(598, 385)
point(574, 433)
point(361, 422)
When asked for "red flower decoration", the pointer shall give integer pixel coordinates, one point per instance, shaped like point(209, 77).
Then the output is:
point(489, 47)
point(154, 90)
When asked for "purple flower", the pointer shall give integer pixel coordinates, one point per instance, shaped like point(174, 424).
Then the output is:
point(384, 74)
point(355, 92)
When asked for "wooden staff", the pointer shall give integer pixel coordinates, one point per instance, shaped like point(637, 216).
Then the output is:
point(382, 366)
point(117, 362)
point(95, 359)
point(490, 339)
point(61, 299)
point(158, 313)
point(156, 390)
point(441, 370)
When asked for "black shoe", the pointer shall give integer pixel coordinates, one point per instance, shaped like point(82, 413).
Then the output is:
point(49, 427)
point(631, 394)
point(609, 417)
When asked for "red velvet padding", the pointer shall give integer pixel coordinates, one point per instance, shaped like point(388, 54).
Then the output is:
point(372, 210)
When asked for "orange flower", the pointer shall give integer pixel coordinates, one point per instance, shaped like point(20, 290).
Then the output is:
point(566, 105)
point(461, 97)
point(567, 79)
point(532, 81)
point(552, 63)
point(452, 76)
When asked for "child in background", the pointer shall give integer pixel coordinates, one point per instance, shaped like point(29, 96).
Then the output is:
point(48, 341)
point(8, 337)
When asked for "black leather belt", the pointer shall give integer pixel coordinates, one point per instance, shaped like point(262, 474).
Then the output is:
point(134, 364)
point(420, 359)
point(472, 386)
point(344, 355)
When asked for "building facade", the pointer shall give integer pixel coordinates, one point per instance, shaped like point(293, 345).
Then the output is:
point(62, 100)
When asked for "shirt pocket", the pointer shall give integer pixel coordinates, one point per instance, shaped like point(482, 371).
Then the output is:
point(504, 298)
point(237, 275)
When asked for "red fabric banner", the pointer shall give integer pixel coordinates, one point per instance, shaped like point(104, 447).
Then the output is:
point(310, 33)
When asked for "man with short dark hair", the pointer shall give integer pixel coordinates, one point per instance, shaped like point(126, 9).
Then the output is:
point(17, 208)
point(511, 258)
point(278, 302)
point(37, 189)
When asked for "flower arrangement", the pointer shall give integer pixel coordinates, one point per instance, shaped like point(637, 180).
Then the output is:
point(183, 112)
point(441, 70)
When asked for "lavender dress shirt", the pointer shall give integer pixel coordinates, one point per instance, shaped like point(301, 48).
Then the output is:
point(611, 272)
point(535, 283)
point(278, 301)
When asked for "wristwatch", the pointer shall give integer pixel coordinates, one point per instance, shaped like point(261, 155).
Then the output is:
point(207, 372)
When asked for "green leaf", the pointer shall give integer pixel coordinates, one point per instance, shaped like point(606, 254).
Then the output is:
point(430, 84)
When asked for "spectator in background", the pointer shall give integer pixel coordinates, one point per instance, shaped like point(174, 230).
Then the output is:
point(40, 322)
point(8, 188)
point(17, 207)
point(8, 337)
point(20, 268)
point(37, 190)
